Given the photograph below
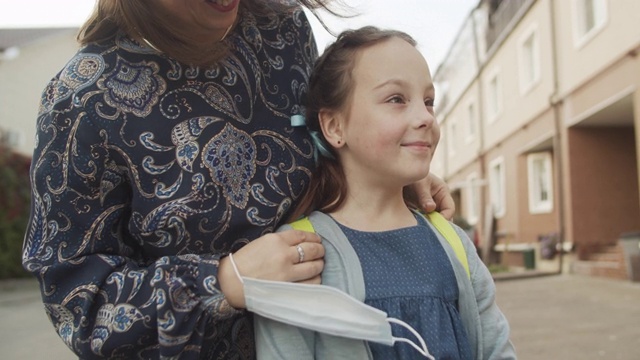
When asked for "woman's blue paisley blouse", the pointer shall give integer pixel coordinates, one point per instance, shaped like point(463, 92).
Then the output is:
point(146, 172)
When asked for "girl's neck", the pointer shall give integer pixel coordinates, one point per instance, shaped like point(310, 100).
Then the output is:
point(368, 210)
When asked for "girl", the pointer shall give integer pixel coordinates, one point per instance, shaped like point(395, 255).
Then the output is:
point(370, 108)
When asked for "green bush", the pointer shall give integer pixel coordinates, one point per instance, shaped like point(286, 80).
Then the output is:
point(15, 197)
point(498, 268)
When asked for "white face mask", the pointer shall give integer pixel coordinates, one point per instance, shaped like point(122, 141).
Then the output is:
point(323, 309)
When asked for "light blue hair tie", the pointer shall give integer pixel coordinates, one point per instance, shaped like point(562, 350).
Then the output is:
point(319, 146)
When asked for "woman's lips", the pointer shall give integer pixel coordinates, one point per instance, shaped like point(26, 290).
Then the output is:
point(223, 5)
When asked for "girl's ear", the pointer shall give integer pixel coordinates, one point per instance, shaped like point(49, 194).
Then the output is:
point(332, 127)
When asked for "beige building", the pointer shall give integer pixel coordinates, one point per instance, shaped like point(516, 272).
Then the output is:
point(29, 58)
point(539, 105)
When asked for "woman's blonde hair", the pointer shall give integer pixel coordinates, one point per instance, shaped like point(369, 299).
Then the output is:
point(141, 19)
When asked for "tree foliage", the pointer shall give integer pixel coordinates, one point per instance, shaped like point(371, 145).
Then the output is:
point(15, 197)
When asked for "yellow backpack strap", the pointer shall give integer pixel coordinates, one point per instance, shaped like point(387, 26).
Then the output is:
point(445, 228)
point(303, 224)
point(434, 217)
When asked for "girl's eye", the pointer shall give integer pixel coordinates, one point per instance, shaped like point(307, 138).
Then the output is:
point(429, 102)
point(397, 99)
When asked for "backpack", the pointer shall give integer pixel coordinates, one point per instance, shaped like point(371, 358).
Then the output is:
point(435, 218)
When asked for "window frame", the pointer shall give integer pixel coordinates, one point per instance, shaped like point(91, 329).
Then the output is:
point(472, 123)
point(537, 205)
point(497, 187)
point(581, 35)
point(452, 141)
point(494, 96)
point(529, 70)
point(473, 198)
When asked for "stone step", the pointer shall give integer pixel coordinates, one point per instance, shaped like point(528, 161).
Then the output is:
point(608, 269)
point(608, 256)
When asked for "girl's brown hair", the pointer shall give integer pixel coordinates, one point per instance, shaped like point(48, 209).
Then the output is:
point(330, 88)
point(141, 19)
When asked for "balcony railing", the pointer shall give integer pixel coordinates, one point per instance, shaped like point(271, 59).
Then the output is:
point(501, 18)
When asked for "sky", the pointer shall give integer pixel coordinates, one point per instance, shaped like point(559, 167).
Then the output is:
point(433, 23)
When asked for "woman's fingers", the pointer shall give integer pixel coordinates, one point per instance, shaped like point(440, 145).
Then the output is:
point(432, 193)
point(273, 256)
point(316, 280)
point(295, 237)
point(308, 271)
point(307, 251)
point(293, 255)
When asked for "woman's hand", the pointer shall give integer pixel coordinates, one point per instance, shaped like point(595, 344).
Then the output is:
point(273, 257)
point(433, 194)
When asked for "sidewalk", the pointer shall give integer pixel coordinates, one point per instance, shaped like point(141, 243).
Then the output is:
point(567, 317)
point(25, 330)
point(556, 317)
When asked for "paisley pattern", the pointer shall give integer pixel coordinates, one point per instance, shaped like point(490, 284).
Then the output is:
point(147, 172)
point(79, 73)
point(133, 88)
point(231, 156)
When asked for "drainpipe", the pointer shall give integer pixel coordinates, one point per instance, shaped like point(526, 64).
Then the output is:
point(481, 120)
point(556, 104)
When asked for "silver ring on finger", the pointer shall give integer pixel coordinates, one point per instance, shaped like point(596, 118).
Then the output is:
point(300, 253)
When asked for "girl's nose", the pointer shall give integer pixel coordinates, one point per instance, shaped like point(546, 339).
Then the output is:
point(425, 116)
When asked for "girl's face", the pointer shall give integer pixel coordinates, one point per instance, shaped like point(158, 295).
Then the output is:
point(390, 131)
point(207, 19)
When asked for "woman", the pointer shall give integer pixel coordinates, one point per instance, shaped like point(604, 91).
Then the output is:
point(164, 145)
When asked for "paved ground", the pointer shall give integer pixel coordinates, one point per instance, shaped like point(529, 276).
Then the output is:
point(568, 317)
point(25, 330)
point(561, 317)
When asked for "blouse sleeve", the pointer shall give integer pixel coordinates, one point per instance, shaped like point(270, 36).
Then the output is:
point(102, 296)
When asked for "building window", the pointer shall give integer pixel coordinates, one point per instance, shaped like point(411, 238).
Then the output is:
point(11, 138)
point(452, 138)
point(471, 122)
point(590, 17)
point(540, 183)
point(473, 198)
point(494, 97)
point(497, 187)
point(529, 60)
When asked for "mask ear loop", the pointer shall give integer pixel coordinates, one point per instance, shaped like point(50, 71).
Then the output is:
point(424, 351)
point(235, 268)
